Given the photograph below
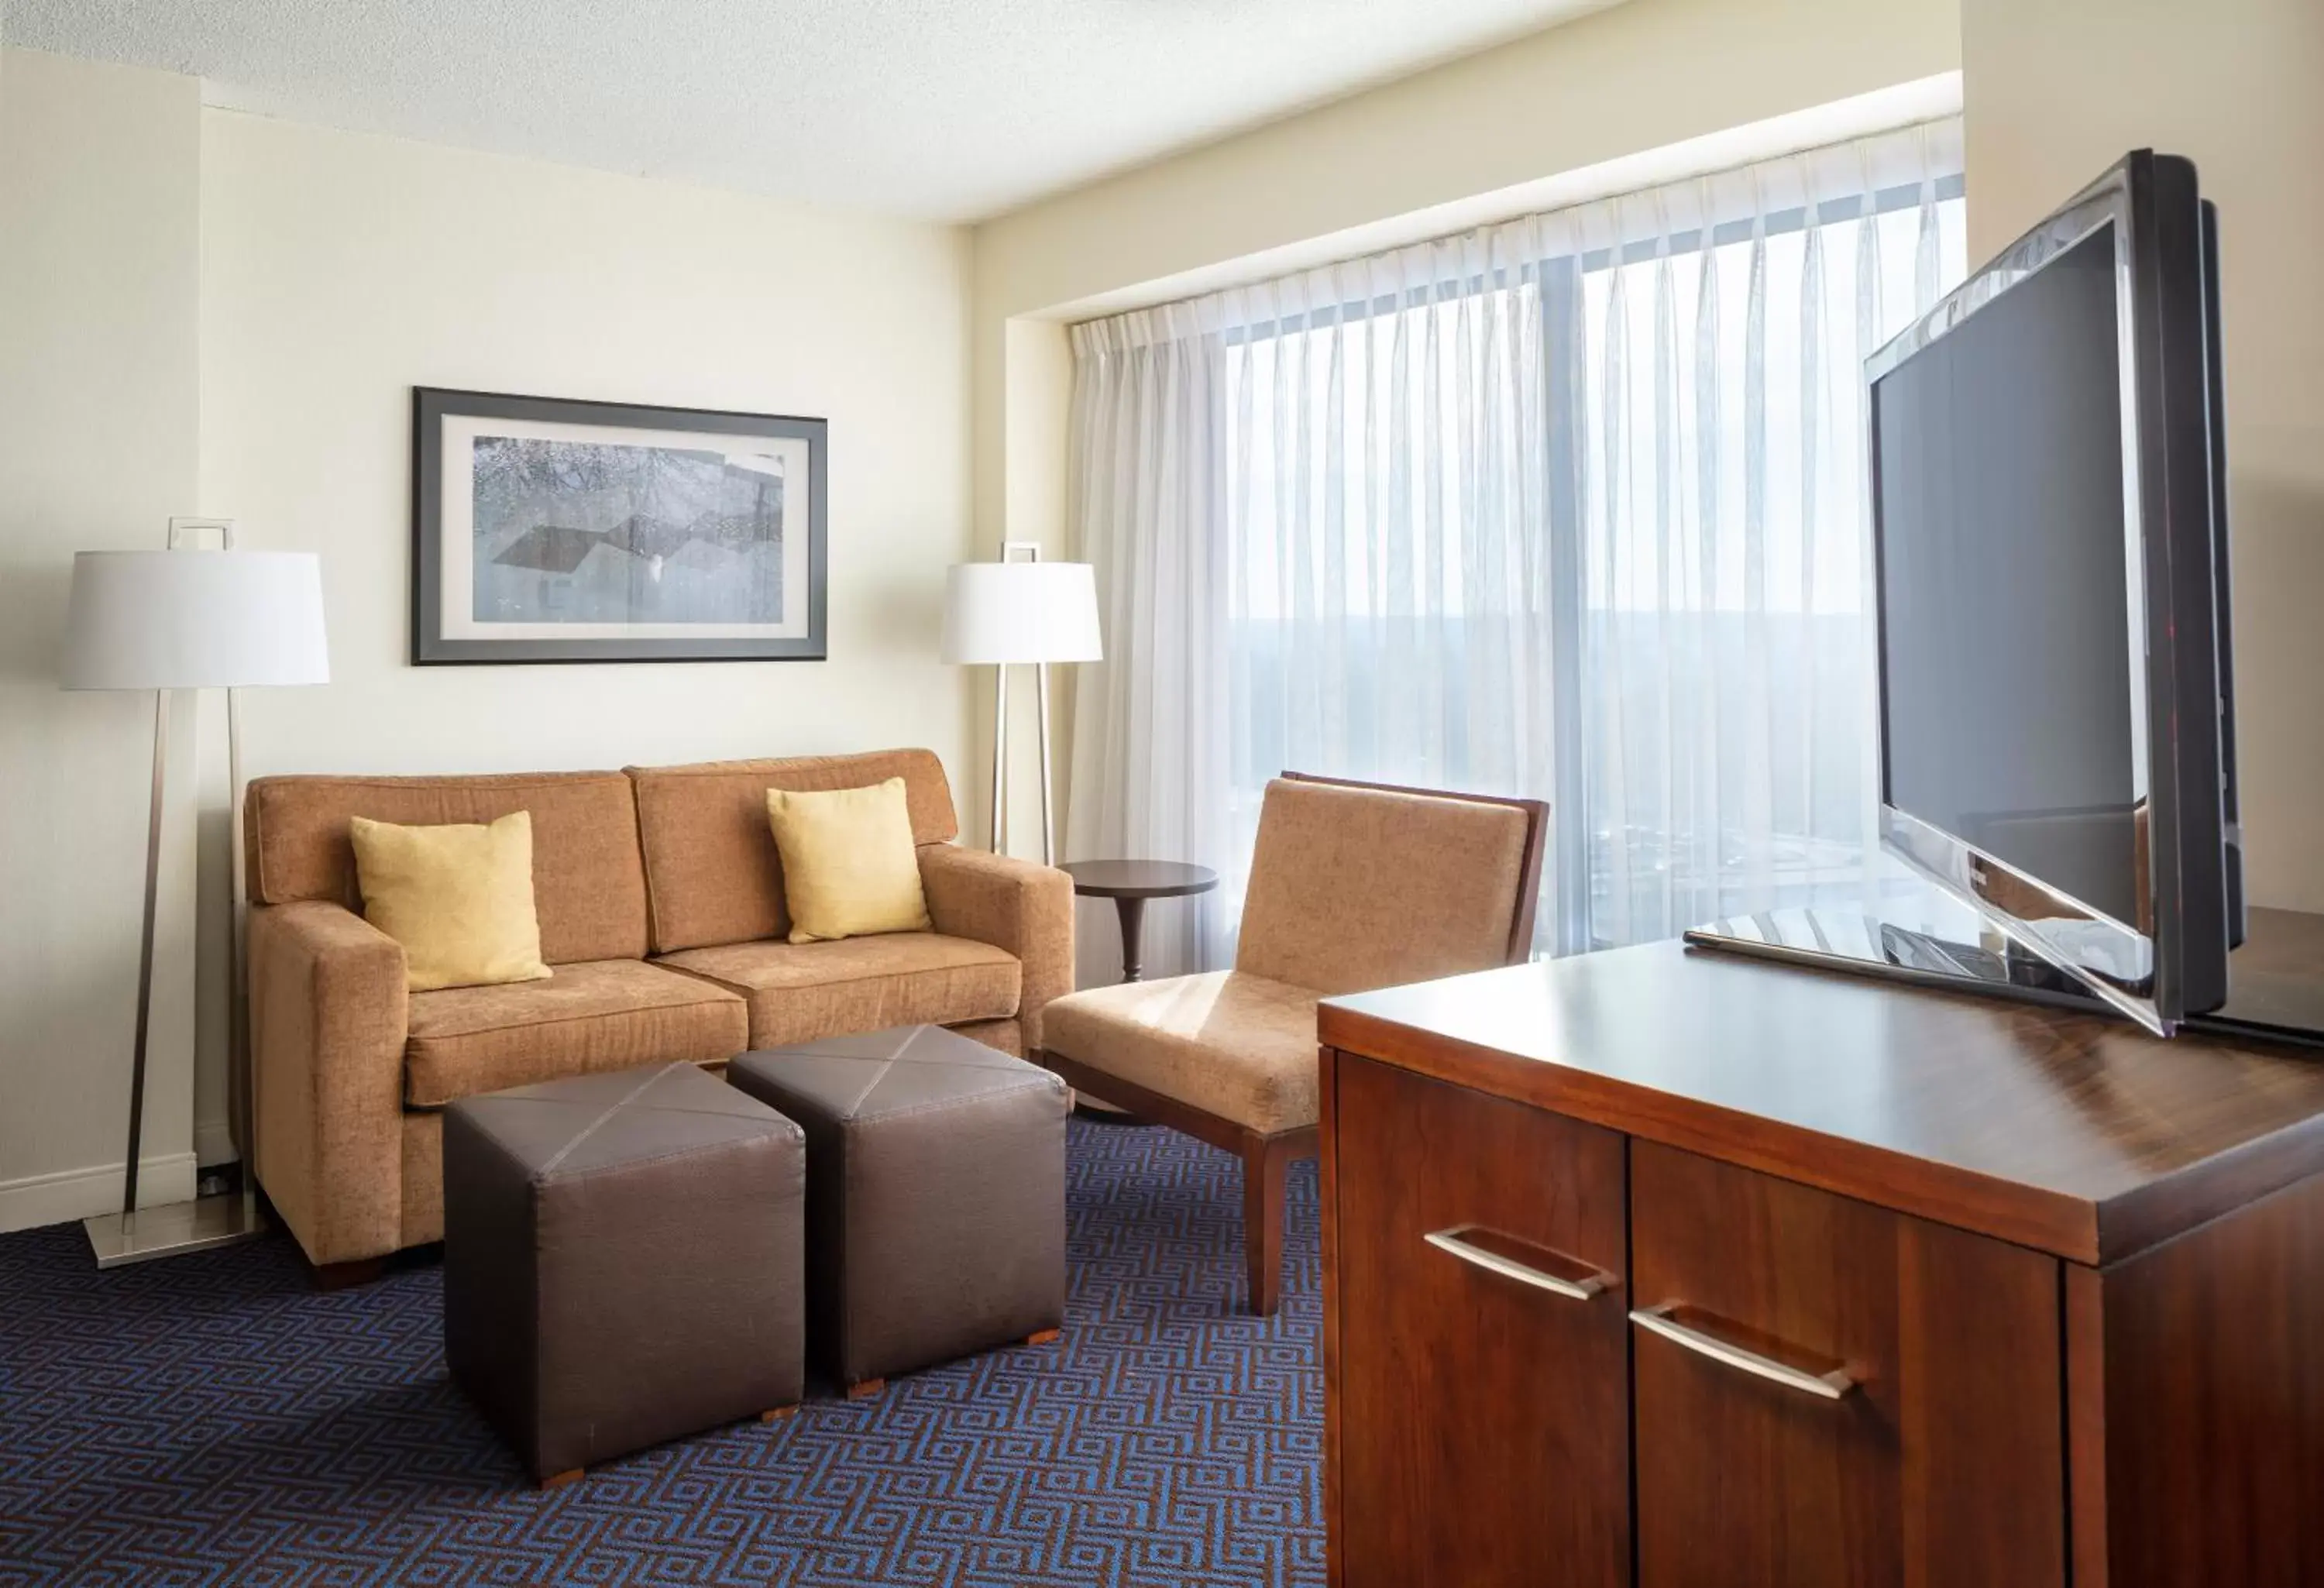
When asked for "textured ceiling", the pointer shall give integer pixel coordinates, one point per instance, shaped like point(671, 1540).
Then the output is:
point(943, 109)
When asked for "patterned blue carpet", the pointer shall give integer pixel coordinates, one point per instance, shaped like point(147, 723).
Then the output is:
point(212, 1420)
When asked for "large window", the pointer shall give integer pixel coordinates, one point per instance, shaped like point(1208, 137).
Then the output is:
point(1571, 507)
point(1721, 713)
point(1385, 570)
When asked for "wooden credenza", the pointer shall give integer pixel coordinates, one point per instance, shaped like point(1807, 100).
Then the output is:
point(1670, 1268)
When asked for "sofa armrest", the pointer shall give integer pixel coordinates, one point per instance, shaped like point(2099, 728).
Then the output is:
point(1011, 904)
point(327, 1011)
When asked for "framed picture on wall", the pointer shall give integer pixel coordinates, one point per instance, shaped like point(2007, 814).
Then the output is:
point(545, 529)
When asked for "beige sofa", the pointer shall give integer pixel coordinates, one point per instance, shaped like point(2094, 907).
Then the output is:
point(660, 902)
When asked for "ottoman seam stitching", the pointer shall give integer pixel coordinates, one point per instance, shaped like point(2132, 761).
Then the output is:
point(594, 1126)
point(544, 1176)
point(944, 1103)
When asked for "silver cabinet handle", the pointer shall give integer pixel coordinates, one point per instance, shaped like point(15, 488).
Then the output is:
point(1456, 1242)
point(1830, 1385)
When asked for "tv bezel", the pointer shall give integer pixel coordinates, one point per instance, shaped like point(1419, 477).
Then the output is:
point(2177, 952)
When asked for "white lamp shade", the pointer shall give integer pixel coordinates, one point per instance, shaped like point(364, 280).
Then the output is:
point(194, 620)
point(1011, 612)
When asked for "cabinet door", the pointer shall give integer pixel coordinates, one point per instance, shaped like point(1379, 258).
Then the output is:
point(1829, 1395)
point(1480, 1374)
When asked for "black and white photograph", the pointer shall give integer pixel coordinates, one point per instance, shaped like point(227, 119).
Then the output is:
point(547, 530)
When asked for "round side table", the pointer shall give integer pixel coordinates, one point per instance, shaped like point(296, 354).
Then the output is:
point(1129, 883)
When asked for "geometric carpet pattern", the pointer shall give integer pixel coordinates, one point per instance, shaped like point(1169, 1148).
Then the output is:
point(212, 1420)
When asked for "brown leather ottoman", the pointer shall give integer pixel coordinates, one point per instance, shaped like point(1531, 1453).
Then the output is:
point(936, 1195)
point(622, 1261)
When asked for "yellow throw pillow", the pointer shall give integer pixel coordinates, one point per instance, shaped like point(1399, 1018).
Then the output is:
point(850, 867)
point(458, 898)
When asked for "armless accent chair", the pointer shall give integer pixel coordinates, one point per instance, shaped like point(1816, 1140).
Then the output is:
point(1353, 886)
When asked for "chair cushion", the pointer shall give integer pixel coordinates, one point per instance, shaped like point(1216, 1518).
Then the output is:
point(588, 881)
point(799, 991)
point(603, 1015)
point(1229, 1043)
point(1353, 888)
point(711, 864)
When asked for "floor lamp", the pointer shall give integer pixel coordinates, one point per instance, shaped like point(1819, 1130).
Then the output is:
point(1016, 610)
point(188, 620)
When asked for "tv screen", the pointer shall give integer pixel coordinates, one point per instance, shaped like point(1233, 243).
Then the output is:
point(2009, 658)
point(2051, 592)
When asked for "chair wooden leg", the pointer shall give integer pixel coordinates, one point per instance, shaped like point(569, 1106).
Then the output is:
point(344, 1276)
point(1264, 1161)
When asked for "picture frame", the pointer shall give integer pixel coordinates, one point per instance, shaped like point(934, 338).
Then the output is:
point(558, 530)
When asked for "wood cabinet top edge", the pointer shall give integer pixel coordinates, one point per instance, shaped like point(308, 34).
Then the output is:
point(2061, 1226)
point(2077, 1137)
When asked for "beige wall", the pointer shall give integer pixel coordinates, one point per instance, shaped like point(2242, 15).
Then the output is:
point(207, 312)
point(2056, 91)
point(1634, 76)
point(1638, 77)
point(341, 270)
point(100, 237)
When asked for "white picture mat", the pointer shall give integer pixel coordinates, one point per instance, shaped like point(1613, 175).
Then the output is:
point(457, 523)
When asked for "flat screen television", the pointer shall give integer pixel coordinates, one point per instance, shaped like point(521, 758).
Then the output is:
point(2050, 540)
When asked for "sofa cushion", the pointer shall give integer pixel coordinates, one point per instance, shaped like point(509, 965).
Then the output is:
point(606, 1015)
point(1230, 1043)
point(588, 882)
point(799, 991)
point(711, 870)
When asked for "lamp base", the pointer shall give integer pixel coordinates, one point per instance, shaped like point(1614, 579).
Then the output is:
point(118, 1239)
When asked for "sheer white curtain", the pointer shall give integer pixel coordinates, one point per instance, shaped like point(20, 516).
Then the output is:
point(1314, 506)
point(1149, 777)
point(1718, 739)
point(1570, 507)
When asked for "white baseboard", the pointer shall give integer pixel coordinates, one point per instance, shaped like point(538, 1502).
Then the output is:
point(78, 1193)
point(214, 1143)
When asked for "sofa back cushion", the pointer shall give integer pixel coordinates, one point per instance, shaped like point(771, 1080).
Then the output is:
point(588, 882)
point(1358, 888)
point(712, 872)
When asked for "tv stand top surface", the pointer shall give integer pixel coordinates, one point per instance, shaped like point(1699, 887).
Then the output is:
point(2071, 1132)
